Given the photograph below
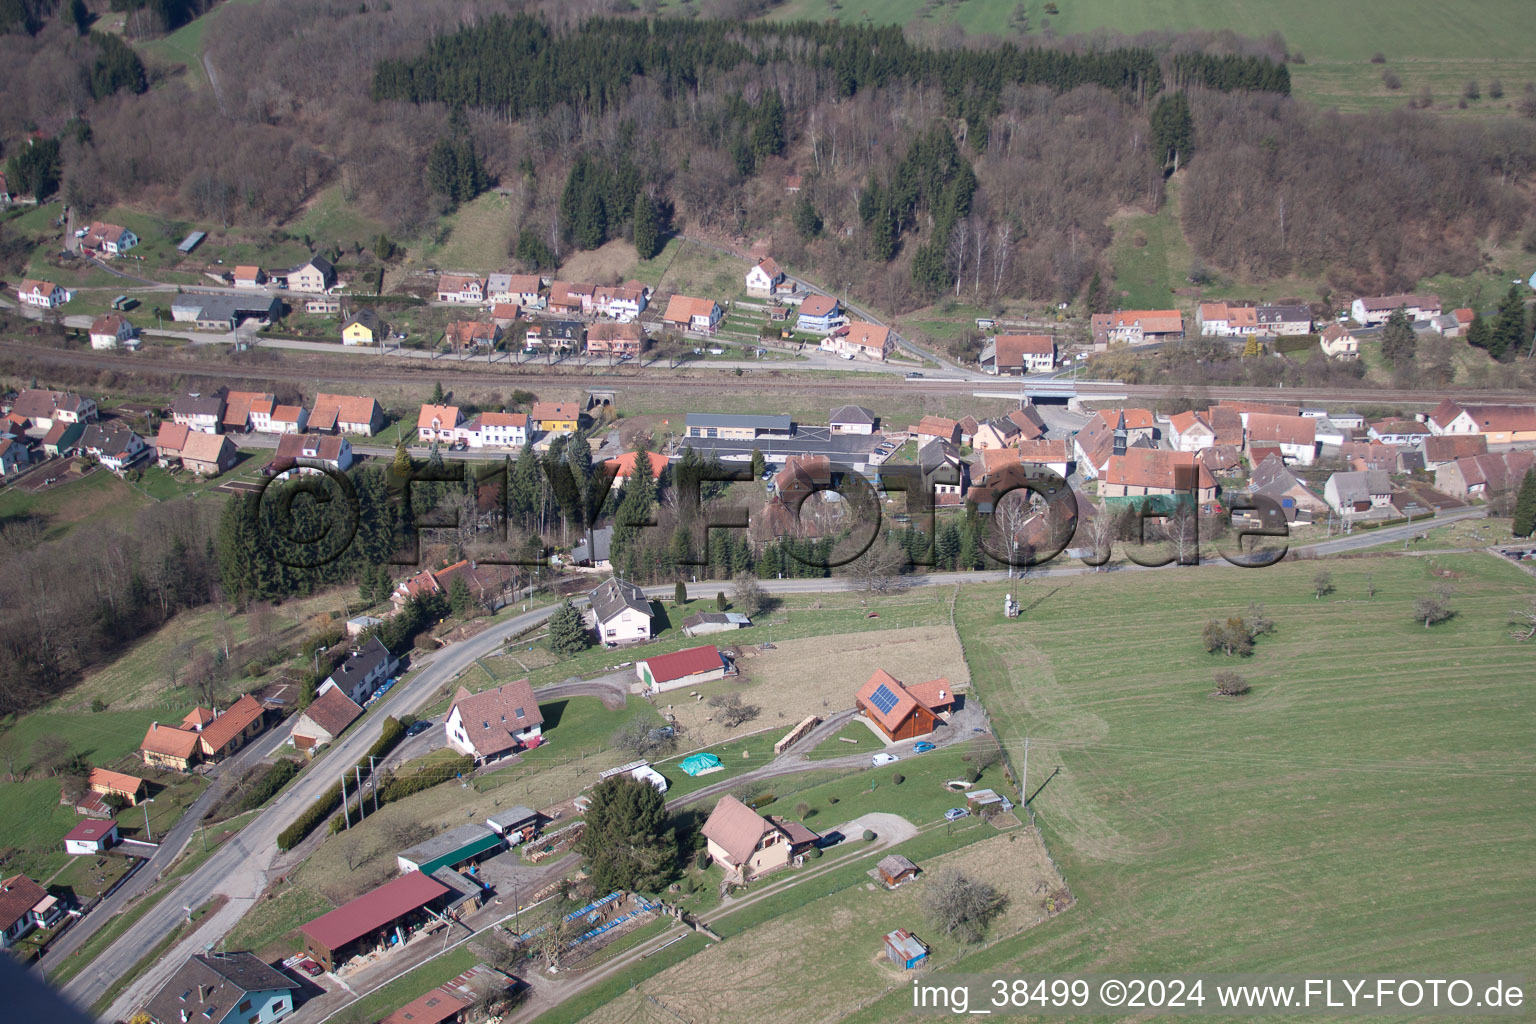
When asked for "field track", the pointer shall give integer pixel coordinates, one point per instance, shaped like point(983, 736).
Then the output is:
point(345, 371)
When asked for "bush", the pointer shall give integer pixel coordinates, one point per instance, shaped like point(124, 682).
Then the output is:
point(869, 836)
point(1378, 58)
point(701, 859)
point(267, 786)
point(400, 787)
point(831, 799)
point(1390, 79)
point(1230, 684)
point(813, 853)
point(898, 779)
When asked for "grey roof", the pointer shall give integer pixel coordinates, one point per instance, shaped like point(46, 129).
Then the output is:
point(319, 262)
point(367, 317)
point(615, 595)
point(199, 405)
point(511, 817)
point(225, 306)
point(806, 441)
point(716, 618)
point(560, 330)
point(853, 414)
point(192, 241)
point(895, 864)
point(366, 659)
point(222, 979)
point(1359, 485)
point(595, 548)
point(445, 843)
point(497, 283)
point(775, 424)
point(111, 437)
point(936, 454)
point(1282, 314)
point(463, 888)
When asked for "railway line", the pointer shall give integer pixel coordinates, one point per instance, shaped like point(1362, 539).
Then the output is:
point(347, 372)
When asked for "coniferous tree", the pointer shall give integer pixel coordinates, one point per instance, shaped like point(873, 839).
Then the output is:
point(629, 841)
point(807, 218)
point(1173, 131)
point(647, 228)
point(1479, 333)
point(1508, 336)
point(1525, 507)
point(1397, 338)
point(567, 632)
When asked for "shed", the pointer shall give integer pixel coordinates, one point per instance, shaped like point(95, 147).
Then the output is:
point(191, 242)
point(682, 668)
point(387, 913)
point(698, 764)
point(466, 893)
point(896, 869)
point(91, 836)
point(714, 622)
point(450, 849)
point(981, 800)
point(905, 949)
point(513, 820)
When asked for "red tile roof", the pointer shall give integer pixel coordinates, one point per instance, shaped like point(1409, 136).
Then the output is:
point(898, 712)
point(867, 335)
point(667, 667)
point(447, 416)
point(624, 465)
point(333, 711)
point(373, 910)
point(1264, 428)
point(1154, 467)
point(172, 436)
point(435, 1007)
point(92, 830)
point(559, 411)
point(333, 410)
point(116, 782)
point(1012, 348)
point(817, 305)
point(490, 717)
point(681, 309)
point(169, 741)
point(218, 733)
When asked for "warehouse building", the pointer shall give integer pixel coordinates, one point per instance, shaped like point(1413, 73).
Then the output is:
point(466, 844)
point(382, 917)
point(683, 668)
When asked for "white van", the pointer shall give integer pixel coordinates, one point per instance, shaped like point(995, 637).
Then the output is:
point(880, 759)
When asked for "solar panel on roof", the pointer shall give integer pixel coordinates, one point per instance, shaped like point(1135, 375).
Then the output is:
point(883, 699)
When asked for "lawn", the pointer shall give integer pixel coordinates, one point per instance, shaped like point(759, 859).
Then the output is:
point(1150, 257)
point(413, 983)
point(1365, 808)
point(99, 498)
point(330, 219)
point(853, 738)
point(270, 928)
point(477, 235)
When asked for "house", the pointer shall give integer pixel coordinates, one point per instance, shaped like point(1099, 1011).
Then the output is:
point(1376, 309)
point(364, 671)
point(682, 668)
point(522, 289)
point(1013, 355)
point(701, 623)
point(469, 335)
point(1358, 492)
point(794, 183)
point(1113, 432)
point(46, 408)
point(241, 722)
point(437, 422)
point(248, 277)
point(109, 239)
point(1446, 324)
point(114, 445)
point(995, 435)
point(248, 410)
point(818, 314)
point(946, 477)
point(1284, 320)
point(1271, 479)
point(197, 411)
point(467, 844)
point(904, 949)
point(747, 844)
point(1054, 455)
point(505, 314)
point(1464, 318)
point(224, 311)
point(322, 305)
point(623, 466)
point(317, 275)
point(1221, 459)
point(43, 294)
point(1363, 455)
point(859, 340)
point(1497, 424)
point(1137, 326)
point(734, 427)
point(25, 905)
point(1482, 476)
point(573, 298)
point(1189, 432)
point(595, 549)
point(490, 585)
point(91, 836)
point(311, 453)
point(555, 417)
point(1295, 436)
point(107, 782)
point(166, 746)
point(111, 331)
point(365, 327)
point(1029, 421)
point(323, 720)
point(625, 341)
point(937, 428)
point(621, 301)
point(620, 612)
point(494, 723)
point(689, 314)
point(903, 712)
point(223, 988)
point(495, 430)
point(896, 869)
point(1143, 472)
point(13, 456)
point(1339, 343)
point(1226, 320)
point(1439, 451)
point(345, 414)
point(1398, 431)
point(206, 454)
point(380, 917)
point(764, 278)
point(554, 336)
point(853, 419)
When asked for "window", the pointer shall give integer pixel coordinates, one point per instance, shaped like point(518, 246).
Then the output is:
point(245, 1006)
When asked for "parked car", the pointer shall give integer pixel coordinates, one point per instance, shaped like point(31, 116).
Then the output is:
point(311, 968)
point(914, 376)
point(923, 747)
point(419, 727)
point(830, 839)
point(956, 813)
point(880, 759)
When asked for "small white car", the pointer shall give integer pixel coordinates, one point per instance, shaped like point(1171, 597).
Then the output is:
point(880, 759)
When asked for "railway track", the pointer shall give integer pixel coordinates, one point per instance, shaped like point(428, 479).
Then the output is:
point(346, 371)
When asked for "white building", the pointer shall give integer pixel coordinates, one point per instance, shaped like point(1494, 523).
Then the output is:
point(43, 294)
point(1376, 309)
point(494, 723)
point(620, 612)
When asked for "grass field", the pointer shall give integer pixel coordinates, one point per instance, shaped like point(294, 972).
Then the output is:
point(414, 983)
point(101, 499)
point(477, 237)
point(1365, 808)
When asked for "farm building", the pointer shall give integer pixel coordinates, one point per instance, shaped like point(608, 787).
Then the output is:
point(714, 622)
point(514, 824)
point(904, 712)
point(683, 668)
point(904, 949)
point(90, 836)
point(462, 845)
point(896, 869)
point(383, 916)
point(698, 764)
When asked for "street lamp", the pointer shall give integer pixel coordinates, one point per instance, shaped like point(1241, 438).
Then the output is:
point(148, 836)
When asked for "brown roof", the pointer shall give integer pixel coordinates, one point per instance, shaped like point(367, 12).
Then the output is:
point(770, 267)
point(1153, 321)
point(307, 446)
point(937, 426)
point(1449, 449)
point(172, 436)
point(337, 409)
point(736, 828)
point(681, 309)
point(1012, 348)
point(1266, 429)
point(896, 713)
point(615, 332)
point(1502, 417)
point(542, 411)
point(470, 332)
point(457, 282)
point(1227, 422)
point(1220, 458)
point(202, 447)
point(373, 910)
point(1029, 421)
point(817, 305)
point(197, 718)
point(435, 1007)
point(238, 406)
point(245, 273)
point(287, 413)
point(236, 719)
point(115, 782)
point(1184, 422)
point(491, 716)
point(1041, 451)
point(1272, 408)
point(868, 335)
point(1155, 467)
point(524, 284)
point(333, 711)
point(935, 694)
point(169, 741)
point(18, 895)
point(1377, 303)
point(110, 323)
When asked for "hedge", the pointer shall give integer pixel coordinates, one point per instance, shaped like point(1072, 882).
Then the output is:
point(322, 808)
point(399, 787)
point(265, 788)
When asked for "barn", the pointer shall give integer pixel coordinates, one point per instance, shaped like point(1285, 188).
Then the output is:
point(384, 916)
point(457, 846)
point(683, 668)
point(904, 949)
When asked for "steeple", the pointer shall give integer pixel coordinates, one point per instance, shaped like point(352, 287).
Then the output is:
point(1120, 435)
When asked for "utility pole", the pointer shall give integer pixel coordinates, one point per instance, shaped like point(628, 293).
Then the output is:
point(359, 788)
point(1024, 786)
point(345, 813)
point(372, 777)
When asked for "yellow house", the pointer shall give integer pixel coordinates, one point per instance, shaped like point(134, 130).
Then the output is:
point(364, 329)
point(555, 417)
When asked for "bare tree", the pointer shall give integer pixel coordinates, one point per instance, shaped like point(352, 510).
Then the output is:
point(644, 738)
point(961, 906)
point(1524, 621)
point(1230, 684)
point(1322, 584)
point(1182, 530)
point(748, 595)
point(52, 753)
point(732, 709)
point(1434, 608)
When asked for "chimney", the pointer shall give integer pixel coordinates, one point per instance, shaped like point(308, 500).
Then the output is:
point(202, 992)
